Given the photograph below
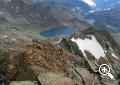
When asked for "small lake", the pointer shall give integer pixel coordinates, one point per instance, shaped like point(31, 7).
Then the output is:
point(58, 31)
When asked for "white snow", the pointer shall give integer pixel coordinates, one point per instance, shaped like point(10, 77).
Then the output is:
point(91, 45)
point(107, 9)
point(90, 3)
point(92, 11)
point(114, 55)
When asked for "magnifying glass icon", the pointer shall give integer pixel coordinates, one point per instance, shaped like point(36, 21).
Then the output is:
point(104, 69)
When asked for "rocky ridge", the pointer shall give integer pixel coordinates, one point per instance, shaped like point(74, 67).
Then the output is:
point(60, 63)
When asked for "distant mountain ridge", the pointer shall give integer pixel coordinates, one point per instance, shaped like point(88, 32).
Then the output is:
point(103, 4)
point(106, 19)
point(40, 14)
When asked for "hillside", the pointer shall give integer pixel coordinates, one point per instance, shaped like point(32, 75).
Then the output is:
point(37, 14)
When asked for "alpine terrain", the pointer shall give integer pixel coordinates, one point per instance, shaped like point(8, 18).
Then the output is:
point(47, 42)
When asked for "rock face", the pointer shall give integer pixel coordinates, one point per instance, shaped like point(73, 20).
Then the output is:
point(95, 48)
point(98, 50)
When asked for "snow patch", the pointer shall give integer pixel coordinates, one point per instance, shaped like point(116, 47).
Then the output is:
point(90, 3)
point(107, 9)
point(92, 11)
point(91, 45)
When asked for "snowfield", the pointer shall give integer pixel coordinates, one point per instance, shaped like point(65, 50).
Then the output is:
point(90, 3)
point(91, 45)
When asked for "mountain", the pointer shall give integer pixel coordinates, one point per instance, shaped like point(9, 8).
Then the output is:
point(67, 61)
point(50, 16)
point(104, 4)
point(77, 6)
point(107, 20)
point(42, 42)
point(71, 5)
point(101, 18)
point(25, 19)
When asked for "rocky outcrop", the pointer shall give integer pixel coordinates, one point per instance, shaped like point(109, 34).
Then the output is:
point(34, 58)
point(110, 56)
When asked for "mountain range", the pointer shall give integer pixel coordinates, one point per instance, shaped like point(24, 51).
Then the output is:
point(48, 42)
